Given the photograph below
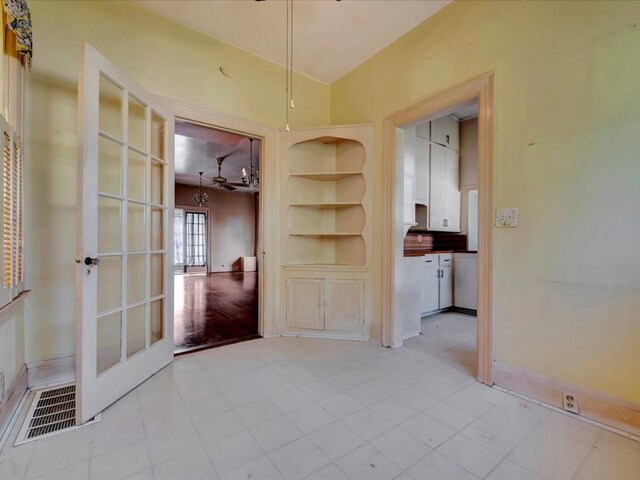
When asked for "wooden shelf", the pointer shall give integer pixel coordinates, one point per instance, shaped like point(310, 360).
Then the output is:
point(326, 176)
point(327, 204)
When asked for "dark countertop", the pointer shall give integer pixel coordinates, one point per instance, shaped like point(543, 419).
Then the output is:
point(423, 252)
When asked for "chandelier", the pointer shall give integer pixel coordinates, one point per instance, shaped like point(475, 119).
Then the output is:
point(200, 198)
point(252, 180)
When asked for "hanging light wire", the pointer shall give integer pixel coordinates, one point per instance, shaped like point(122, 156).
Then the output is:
point(291, 105)
point(286, 127)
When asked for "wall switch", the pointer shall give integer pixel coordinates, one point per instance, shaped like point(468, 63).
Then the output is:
point(507, 217)
point(570, 402)
point(419, 238)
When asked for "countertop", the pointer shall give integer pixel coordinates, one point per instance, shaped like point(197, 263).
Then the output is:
point(423, 252)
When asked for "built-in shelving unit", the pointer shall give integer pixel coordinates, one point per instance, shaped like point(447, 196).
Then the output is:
point(325, 190)
point(325, 224)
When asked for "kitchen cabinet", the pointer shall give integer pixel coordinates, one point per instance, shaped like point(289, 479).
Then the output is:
point(325, 304)
point(444, 194)
point(466, 281)
point(446, 131)
point(436, 283)
point(421, 146)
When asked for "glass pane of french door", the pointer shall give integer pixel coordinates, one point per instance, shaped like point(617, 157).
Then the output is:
point(132, 212)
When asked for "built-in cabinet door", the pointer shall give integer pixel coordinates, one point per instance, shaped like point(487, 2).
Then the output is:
point(445, 131)
point(452, 179)
point(429, 297)
point(446, 287)
point(305, 303)
point(438, 195)
point(422, 171)
point(344, 309)
point(444, 195)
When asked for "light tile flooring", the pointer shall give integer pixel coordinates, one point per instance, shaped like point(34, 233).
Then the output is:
point(296, 408)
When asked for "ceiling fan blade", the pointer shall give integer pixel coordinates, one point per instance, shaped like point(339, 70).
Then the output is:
point(228, 187)
point(235, 184)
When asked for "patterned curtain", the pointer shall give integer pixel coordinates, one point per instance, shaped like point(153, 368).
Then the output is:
point(18, 20)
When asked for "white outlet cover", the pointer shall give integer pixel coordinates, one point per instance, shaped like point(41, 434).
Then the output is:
point(507, 217)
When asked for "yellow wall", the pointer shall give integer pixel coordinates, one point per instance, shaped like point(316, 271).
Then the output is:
point(168, 60)
point(567, 143)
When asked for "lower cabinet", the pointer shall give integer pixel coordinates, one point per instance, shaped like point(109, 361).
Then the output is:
point(436, 290)
point(325, 304)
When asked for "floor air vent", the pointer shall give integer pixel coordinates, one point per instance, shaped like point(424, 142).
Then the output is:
point(52, 411)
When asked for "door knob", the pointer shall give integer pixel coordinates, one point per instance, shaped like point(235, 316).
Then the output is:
point(91, 261)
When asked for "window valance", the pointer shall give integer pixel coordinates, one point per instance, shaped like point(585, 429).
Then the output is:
point(18, 20)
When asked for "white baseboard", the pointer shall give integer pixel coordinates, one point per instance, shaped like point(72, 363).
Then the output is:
point(224, 269)
point(12, 401)
point(52, 372)
point(617, 413)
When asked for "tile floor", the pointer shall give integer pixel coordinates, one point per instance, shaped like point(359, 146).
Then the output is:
point(295, 408)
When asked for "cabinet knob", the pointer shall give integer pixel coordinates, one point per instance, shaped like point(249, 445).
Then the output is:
point(445, 223)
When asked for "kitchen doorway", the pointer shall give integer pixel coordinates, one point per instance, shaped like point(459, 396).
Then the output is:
point(401, 212)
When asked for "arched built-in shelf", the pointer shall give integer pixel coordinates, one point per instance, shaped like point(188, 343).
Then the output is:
point(324, 192)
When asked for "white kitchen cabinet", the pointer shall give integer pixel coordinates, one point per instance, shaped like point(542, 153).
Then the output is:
point(325, 304)
point(411, 296)
point(421, 171)
point(436, 283)
point(430, 291)
point(446, 131)
point(466, 281)
point(444, 194)
point(446, 288)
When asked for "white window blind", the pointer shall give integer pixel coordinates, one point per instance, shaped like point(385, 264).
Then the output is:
point(12, 214)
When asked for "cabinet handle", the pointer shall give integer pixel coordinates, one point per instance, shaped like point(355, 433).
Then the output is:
point(445, 223)
point(447, 138)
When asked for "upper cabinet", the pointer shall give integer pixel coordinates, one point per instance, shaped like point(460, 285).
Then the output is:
point(445, 131)
point(325, 204)
point(444, 200)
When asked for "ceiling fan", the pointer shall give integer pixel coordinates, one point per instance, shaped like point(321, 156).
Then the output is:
point(221, 181)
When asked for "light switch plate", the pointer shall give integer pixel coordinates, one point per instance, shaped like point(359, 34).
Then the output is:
point(507, 217)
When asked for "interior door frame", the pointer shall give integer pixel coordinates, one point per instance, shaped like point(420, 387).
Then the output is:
point(268, 199)
point(480, 89)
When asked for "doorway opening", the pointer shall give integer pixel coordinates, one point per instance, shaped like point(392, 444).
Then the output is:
point(440, 247)
point(439, 211)
point(216, 237)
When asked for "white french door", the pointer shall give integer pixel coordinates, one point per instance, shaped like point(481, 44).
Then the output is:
point(124, 326)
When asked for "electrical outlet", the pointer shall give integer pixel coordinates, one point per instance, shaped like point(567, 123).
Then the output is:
point(507, 217)
point(570, 402)
point(1, 387)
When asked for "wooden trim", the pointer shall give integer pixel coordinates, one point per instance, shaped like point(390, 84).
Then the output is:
point(12, 400)
point(612, 411)
point(54, 371)
point(268, 201)
point(479, 89)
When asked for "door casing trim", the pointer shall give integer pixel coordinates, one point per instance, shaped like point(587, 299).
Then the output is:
point(268, 211)
point(481, 90)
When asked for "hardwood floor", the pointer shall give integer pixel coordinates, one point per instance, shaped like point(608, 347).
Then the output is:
point(215, 309)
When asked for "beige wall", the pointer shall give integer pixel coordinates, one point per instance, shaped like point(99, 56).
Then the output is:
point(567, 279)
point(469, 154)
point(468, 168)
point(168, 60)
point(232, 217)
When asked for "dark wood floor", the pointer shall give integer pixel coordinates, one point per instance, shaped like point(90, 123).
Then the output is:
point(215, 309)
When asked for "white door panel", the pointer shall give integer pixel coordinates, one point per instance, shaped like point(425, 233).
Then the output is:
point(124, 300)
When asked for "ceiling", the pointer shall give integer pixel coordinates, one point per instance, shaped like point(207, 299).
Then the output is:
point(197, 148)
point(330, 37)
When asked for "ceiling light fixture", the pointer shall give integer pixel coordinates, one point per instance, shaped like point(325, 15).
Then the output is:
point(289, 67)
point(201, 198)
point(252, 180)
